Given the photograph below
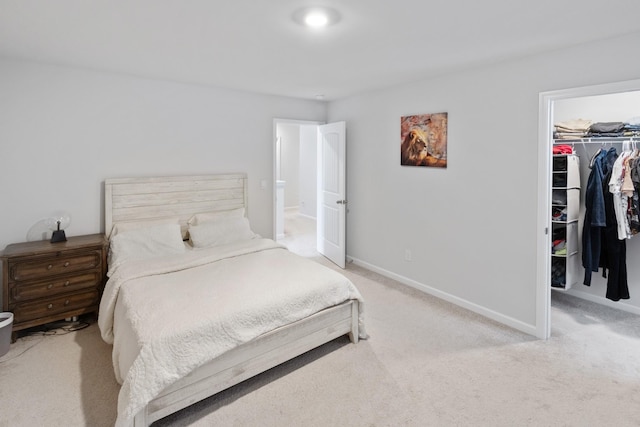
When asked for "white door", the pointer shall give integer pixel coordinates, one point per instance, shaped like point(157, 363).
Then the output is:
point(332, 202)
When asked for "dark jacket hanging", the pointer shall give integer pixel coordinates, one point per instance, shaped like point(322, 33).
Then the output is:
point(613, 256)
point(595, 217)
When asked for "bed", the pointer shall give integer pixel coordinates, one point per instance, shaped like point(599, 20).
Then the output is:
point(196, 302)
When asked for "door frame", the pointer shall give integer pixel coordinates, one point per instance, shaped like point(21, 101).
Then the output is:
point(545, 143)
point(274, 156)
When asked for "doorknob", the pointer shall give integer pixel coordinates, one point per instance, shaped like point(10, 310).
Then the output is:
point(341, 202)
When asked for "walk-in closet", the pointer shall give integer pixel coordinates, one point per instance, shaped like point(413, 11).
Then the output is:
point(586, 127)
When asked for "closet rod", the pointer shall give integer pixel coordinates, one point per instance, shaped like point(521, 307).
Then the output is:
point(597, 140)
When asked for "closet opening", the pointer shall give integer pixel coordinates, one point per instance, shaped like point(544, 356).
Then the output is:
point(562, 189)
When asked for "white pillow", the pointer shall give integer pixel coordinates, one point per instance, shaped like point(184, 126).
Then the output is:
point(220, 232)
point(200, 218)
point(122, 226)
point(144, 243)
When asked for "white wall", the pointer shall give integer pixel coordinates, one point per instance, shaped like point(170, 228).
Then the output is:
point(617, 107)
point(289, 138)
point(308, 170)
point(63, 131)
point(471, 228)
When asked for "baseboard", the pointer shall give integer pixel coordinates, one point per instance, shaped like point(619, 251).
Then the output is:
point(483, 311)
point(618, 305)
point(296, 209)
point(307, 216)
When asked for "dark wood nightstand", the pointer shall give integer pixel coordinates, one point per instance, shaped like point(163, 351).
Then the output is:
point(43, 282)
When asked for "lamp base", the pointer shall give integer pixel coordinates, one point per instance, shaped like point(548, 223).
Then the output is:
point(58, 236)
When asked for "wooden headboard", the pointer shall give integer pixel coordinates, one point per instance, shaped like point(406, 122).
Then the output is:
point(131, 199)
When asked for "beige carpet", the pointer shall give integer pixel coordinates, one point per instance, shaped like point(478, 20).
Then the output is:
point(427, 363)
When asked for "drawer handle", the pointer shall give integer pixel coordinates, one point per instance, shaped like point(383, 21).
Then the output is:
point(50, 306)
point(66, 302)
point(66, 283)
point(66, 264)
point(50, 285)
point(49, 267)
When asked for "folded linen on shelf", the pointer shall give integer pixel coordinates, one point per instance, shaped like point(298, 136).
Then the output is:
point(575, 125)
point(562, 149)
point(571, 129)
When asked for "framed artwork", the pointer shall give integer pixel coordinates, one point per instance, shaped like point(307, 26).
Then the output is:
point(424, 140)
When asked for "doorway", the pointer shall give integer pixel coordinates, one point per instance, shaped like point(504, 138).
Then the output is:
point(549, 103)
point(295, 185)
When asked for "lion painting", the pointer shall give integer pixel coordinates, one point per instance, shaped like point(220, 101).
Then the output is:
point(424, 140)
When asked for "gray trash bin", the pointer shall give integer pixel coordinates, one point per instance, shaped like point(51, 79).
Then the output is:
point(6, 324)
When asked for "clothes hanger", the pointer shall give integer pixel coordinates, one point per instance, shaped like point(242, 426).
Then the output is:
point(593, 157)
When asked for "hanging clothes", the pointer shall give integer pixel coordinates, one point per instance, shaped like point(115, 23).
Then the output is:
point(613, 255)
point(606, 226)
point(595, 217)
point(619, 199)
point(634, 211)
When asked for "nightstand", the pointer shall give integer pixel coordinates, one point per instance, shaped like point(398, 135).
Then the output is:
point(43, 282)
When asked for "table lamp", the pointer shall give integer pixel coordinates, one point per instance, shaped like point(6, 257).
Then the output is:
point(57, 223)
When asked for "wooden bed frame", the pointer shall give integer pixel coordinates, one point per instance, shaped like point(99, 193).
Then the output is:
point(182, 196)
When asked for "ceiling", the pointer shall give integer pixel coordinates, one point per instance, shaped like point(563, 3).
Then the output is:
point(255, 45)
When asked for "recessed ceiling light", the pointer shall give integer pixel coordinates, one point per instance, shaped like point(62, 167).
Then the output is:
point(316, 17)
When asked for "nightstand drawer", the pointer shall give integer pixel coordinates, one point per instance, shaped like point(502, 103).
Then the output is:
point(23, 291)
point(47, 267)
point(42, 308)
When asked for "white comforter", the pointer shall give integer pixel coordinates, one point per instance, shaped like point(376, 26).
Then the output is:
point(167, 316)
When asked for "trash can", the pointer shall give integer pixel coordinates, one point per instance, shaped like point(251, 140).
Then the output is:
point(6, 324)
